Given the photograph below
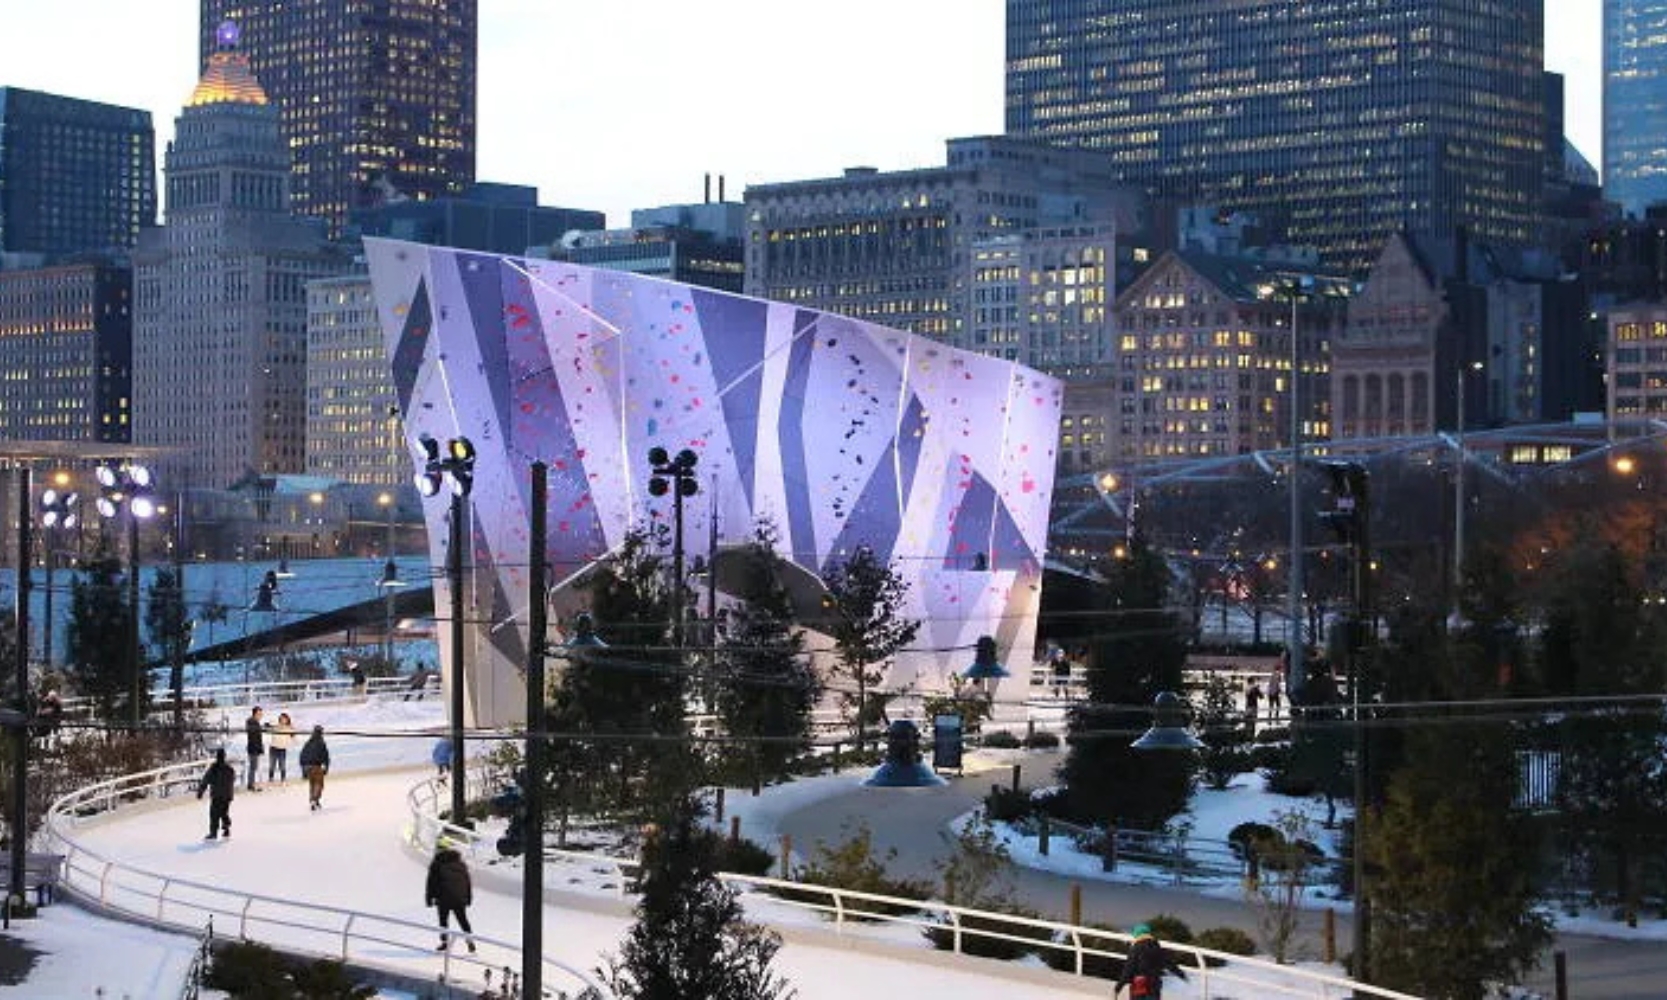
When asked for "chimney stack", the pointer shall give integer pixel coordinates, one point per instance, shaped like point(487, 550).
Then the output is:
point(706, 196)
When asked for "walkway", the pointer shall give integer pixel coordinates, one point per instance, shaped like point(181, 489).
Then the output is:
point(913, 823)
point(350, 855)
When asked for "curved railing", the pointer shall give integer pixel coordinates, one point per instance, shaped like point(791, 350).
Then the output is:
point(304, 928)
point(270, 692)
point(1216, 973)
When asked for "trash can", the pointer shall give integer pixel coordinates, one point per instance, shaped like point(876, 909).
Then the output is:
point(947, 743)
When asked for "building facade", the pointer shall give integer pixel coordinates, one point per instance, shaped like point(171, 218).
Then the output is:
point(353, 426)
point(1386, 366)
point(1203, 365)
point(690, 244)
point(496, 218)
point(1635, 103)
point(1635, 359)
point(897, 248)
point(840, 433)
point(75, 176)
point(66, 349)
point(1042, 297)
point(1340, 123)
point(220, 315)
point(375, 101)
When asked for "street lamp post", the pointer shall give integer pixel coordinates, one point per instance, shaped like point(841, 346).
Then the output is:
point(457, 466)
point(129, 488)
point(1294, 288)
point(19, 723)
point(59, 510)
point(674, 474)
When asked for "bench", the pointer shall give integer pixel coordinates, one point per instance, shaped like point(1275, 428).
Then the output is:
point(41, 872)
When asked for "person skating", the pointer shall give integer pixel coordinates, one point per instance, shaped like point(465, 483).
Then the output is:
point(441, 756)
point(283, 734)
point(220, 781)
point(315, 764)
point(1143, 969)
point(449, 890)
point(256, 744)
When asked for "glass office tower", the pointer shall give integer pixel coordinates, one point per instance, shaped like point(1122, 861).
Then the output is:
point(1341, 121)
point(75, 175)
point(1635, 103)
point(376, 101)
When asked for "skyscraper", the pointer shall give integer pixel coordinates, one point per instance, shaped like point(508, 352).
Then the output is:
point(1635, 103)
point(1342, 122)
point(74, 175)
point(220, 302)
point(373, 98)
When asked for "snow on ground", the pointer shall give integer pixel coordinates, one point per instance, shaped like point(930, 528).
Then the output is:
point(81, 954)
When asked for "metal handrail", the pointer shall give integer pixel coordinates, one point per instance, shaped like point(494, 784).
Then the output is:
point(108, 884)
point(265, 692)
point(850, 908)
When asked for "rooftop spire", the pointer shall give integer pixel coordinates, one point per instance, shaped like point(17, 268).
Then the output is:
point(228, 79)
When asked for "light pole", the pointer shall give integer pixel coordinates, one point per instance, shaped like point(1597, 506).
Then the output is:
point(19, 723)
point(59, 510)
point(457, 467)
point(1458, 480)
point(674, 475)
point(1294, 288)
point(129, 488)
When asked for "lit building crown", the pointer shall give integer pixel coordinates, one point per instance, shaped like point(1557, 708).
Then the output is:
point(228, 78)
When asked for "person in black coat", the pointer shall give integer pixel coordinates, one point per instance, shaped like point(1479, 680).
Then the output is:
point(315, 764)
point(1143, 969)
point(257, 743)
point(220, 781)
point(449, 890)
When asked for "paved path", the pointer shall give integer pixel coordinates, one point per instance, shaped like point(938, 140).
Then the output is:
point(913, 822)
point(349, 855)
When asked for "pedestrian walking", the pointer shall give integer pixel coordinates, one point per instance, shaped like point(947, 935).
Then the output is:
point(441, 755)
point(1276, 689)
point(220, 781)
point(315, 764)
point(1143, 969)
point(1252, 704)
point(283, 735)
point(256, 744)
point(359, 680)
point(449, 891)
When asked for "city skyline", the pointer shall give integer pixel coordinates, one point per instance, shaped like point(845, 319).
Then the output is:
point(636, 122)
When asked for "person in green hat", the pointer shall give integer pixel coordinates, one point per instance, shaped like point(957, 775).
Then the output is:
point(1143, 968)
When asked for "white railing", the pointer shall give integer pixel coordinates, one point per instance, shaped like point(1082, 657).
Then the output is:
point(269, 692)
point(1214, 971)
point(305, 928)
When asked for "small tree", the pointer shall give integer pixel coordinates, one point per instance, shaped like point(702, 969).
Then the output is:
point(168, 622)
point(768, 687)
point(1284, 870)
point(1223, 757)
point(690, 941)
point(99, 629)
point(866, 599)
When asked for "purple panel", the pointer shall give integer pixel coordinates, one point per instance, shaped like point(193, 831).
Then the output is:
point(969, 529)
point(735, 332)
point(872, 520)
point(407, 356)
point(911, 430)
point(801, 525)
point(482, 277)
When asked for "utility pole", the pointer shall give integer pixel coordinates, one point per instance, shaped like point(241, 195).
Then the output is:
point(1350, 518)
point(532, 792)
point(20, 724)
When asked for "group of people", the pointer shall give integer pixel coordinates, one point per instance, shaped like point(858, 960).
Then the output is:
point(448, 890)
point(263, 739)
point(1275, 696)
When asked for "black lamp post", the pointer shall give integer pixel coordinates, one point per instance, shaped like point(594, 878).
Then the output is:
point(456, 466)
point(1169, 725)
point(129, 488)
point(59, 510)
point(674, 474)
point(17, 720)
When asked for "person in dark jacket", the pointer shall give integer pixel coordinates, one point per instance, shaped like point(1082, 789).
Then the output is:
point(1143, 969)
point(315, 764)
point(256, 745)
point(449, 891)
point(220, 781)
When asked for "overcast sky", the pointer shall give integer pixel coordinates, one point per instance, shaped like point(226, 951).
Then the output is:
point(623, 105)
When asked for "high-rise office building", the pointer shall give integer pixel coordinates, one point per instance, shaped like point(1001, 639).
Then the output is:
point(1635, 103)
point(220, 310)
point(1340, 122)
point(66, 342)
point(374, 98)
point(74, 175)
